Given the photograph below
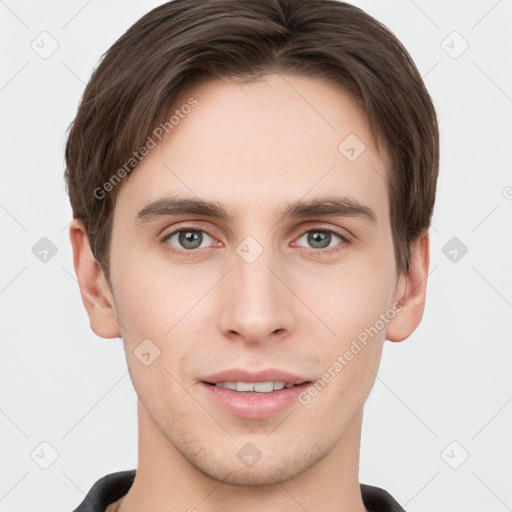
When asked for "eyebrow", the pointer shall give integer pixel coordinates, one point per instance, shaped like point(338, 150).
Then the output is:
point(321, 206)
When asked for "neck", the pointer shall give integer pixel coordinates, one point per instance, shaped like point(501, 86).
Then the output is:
point(167, 481)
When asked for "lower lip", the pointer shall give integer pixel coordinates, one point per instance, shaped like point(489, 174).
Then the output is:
point(257, 405)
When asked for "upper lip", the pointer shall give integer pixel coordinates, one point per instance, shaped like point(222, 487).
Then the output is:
point(241, 375)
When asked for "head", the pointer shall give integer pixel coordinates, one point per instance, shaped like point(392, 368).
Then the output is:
point(296, 148)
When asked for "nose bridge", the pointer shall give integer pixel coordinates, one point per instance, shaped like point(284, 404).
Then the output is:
point(257, 303)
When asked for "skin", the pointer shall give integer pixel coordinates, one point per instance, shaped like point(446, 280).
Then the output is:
point(253, 147)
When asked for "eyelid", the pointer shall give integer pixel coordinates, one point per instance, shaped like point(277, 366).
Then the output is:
point(317, 227)
point(187, 228)
point(327, 251)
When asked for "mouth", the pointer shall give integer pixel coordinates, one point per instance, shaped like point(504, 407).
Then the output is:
point(254, 395)
point(256, 388)
point(262, 381)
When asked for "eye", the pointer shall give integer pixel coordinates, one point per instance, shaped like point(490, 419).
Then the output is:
point(322, 238)
point(187, 239)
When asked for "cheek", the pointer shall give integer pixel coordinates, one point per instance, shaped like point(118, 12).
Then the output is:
point(151, 294)
point(354, 301)
point(350, 296)
point(141, 309)
point(164, 303)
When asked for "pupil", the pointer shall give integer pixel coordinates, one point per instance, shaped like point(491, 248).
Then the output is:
point(188, 239)
point(319, 239)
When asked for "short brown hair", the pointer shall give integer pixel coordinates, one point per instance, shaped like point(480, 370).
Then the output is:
point(184, 42)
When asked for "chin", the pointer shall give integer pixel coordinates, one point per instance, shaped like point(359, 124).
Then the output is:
point(265, 472)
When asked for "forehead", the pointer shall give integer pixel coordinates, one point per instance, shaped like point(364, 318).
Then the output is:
point(256, 145)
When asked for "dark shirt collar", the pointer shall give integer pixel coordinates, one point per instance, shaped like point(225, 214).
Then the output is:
point(113, 486)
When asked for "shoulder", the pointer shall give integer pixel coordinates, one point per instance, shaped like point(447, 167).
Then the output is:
point(376, 499)
point(106, 490)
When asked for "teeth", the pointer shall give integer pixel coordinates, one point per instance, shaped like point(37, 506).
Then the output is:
point(258, 387)
point(247, 386)
point(228, 385)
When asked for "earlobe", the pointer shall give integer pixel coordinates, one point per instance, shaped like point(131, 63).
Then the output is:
point(96, 295)
point(411, 293)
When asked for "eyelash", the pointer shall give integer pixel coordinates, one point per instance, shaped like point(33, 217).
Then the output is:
point(193, 252)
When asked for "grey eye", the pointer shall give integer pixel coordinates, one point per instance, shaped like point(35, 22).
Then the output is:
point(188, 238)
point(320, 239)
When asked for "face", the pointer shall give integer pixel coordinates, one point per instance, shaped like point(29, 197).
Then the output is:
point(273, 281)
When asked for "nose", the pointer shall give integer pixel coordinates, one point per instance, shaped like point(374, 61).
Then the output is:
point(256, 305)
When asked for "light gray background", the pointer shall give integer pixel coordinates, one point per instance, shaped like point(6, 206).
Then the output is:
point(450, 382)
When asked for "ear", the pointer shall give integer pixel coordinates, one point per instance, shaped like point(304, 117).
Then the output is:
point(96, 294)
point(411, 293)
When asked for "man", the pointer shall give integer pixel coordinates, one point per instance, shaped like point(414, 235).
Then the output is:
point(252, 185)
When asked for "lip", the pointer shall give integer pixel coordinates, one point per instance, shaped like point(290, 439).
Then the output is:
point(241, 375)
point(254, 405)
